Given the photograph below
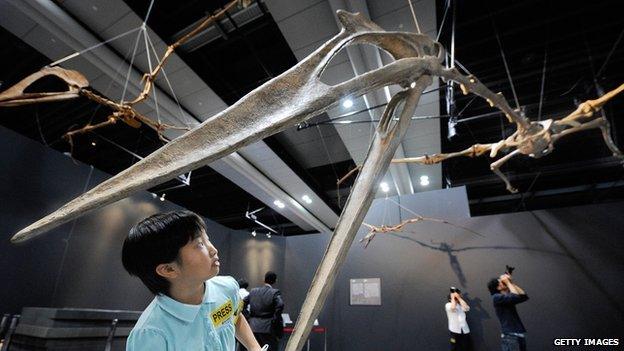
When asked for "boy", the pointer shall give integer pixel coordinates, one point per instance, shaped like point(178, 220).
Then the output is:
point(194, 309)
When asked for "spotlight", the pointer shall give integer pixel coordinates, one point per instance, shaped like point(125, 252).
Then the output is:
point(93, 143)
point(451, 129)
point(279, 204)
point(306, 199)
point(347, 103)
point(154, 195)
point(268, 235)
point(413, 85)
point(253, 233)
point(384, 187)
point(162, 197)
point(424, 180)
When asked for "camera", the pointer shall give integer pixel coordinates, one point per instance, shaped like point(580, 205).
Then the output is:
point(455, 290)
point(509, 269)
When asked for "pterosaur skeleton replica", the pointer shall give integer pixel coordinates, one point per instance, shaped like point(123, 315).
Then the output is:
point(284, 101)
point(373, 230)
point(78, 85)
point(532, 138)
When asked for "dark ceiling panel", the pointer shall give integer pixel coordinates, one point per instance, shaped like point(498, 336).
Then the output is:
point(209, 194)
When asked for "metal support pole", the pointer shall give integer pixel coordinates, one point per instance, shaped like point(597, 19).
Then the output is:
point(9, 334)
point(111, 335)
point(450, 87)
point(4, 324)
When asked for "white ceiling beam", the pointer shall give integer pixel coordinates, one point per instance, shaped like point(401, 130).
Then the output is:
point(64, 29)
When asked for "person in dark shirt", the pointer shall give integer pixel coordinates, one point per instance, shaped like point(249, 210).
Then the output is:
point(265, 312)
point(505, 296)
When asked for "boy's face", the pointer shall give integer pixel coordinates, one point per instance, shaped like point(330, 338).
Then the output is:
point(198, 260)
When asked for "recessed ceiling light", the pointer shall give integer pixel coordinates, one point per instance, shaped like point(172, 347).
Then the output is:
point(347, 103)
point(279, 204)
point(384, 187)
point(424, 180)
point(306, 199)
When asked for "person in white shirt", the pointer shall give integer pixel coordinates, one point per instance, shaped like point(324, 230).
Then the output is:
point(456, 309)
point(243, 292)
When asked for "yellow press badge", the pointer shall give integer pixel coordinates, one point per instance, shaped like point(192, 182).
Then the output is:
point(239, 310)
point(222, 313)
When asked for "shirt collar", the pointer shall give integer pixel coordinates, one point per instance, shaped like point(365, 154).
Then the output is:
point(182, 311)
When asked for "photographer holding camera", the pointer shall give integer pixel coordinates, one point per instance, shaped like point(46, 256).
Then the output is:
point(505, 296)
point(456, 310)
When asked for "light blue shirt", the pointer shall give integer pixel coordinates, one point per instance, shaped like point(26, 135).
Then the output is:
point(167, 324)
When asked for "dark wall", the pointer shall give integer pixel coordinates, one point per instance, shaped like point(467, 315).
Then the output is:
point(77, 264)
point(568, 260)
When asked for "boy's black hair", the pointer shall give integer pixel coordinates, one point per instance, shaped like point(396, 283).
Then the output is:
point(270, 277)
point(243, 283)
point(156, 240)
point(493, 286)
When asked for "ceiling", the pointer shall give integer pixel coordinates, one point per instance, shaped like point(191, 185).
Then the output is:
point(251, 46)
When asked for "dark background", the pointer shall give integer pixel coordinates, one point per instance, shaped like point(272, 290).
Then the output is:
point(569, 260)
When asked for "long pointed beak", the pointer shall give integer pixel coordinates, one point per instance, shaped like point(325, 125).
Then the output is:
point(284, 101)
point(15, 96)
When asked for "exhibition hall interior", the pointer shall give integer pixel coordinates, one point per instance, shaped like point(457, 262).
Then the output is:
point(342, 175)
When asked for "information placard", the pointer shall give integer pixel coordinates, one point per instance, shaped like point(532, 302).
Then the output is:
point(365, 291)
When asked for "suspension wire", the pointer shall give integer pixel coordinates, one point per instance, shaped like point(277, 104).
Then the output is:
point(39, 126)
point(447, 5)
point(110, 84)
point(462, 66)
point(149, 62)
point(539, 110)
point(604, 65)
point(522, 202)
point(500, 46)
point(383, 218)
point(68, 238)
point(302, 126)
point(590, 60)
point(149, 11)
point(175, 97)
point(371, 121)
point(136, 45)
point(327, 152)
point(78, 53)
point(404, 208)
point(465, 107)
point(414, 16)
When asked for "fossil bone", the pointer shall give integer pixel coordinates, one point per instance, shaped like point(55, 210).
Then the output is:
point(284, 101)
point(78, 84)
point(16, 95)
point(535, 141)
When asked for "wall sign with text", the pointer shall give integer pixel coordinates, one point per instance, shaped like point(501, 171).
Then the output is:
point(365, 291)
